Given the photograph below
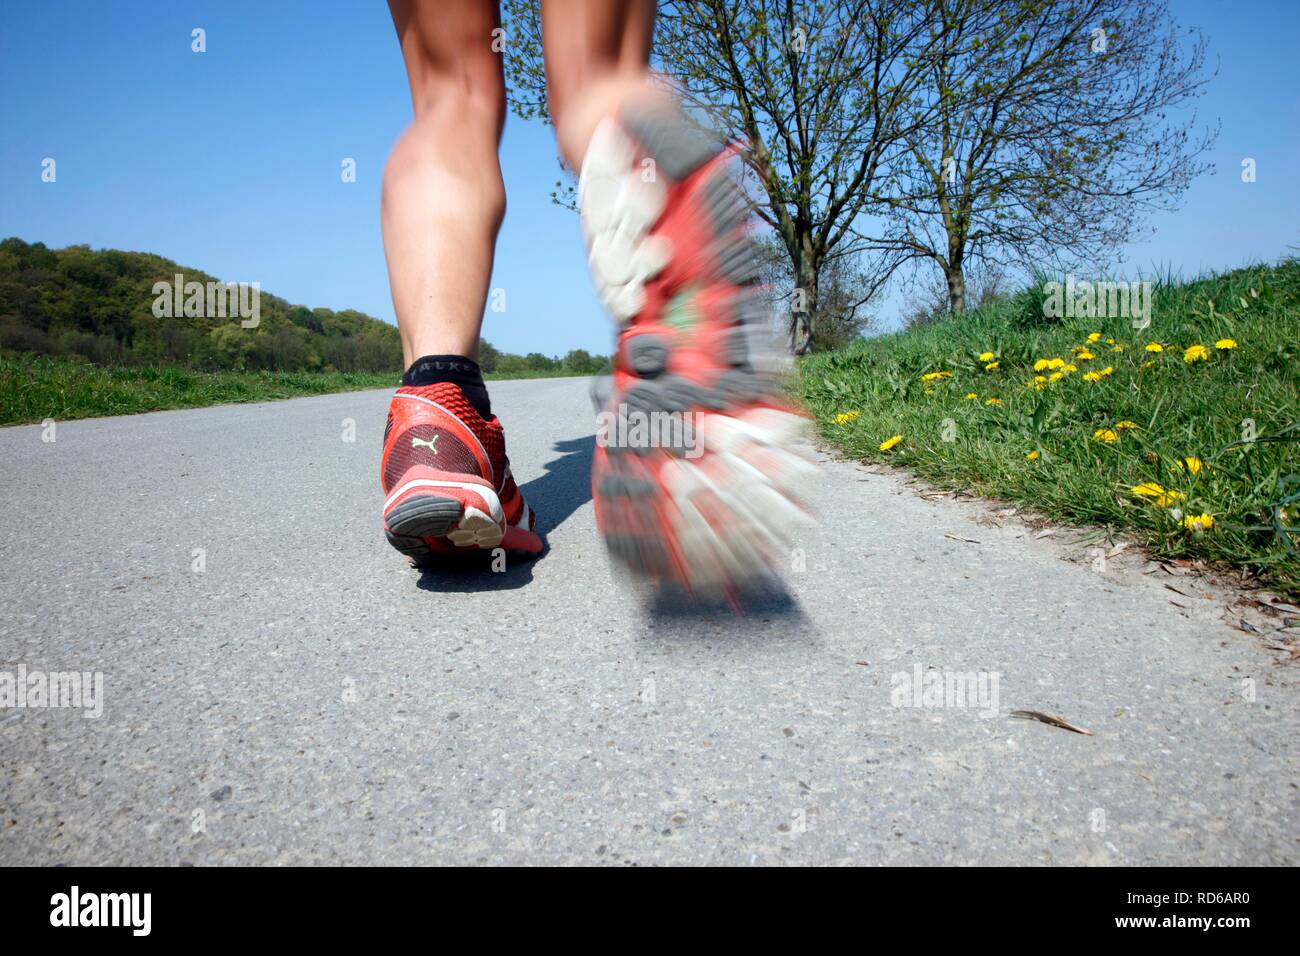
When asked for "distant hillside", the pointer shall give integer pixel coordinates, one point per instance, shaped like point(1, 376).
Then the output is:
point(106, 307)
point(100, 305)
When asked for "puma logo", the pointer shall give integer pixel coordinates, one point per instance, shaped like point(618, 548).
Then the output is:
point(431, 444)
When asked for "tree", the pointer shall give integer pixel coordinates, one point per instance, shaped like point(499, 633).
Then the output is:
point(488, 355)
point(537, 362)
point(582, 362)
point(1043, 133)
point(986, 286)
point(816, 90)
point(843, 294)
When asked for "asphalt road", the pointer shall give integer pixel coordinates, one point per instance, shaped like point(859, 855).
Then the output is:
point(289, 692)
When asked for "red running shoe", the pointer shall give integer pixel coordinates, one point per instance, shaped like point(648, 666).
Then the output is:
point(673, 260)
point(447, 479)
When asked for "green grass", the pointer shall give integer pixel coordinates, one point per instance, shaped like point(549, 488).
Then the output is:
point(1204, 409)
point(34, 388)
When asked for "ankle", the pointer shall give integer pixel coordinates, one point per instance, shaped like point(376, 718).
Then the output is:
point(459, 370)
point(597, 100)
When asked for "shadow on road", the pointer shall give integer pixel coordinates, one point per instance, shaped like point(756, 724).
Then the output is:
point(554, 496)
point(672, 606)
point(566, 484)
point(468, 574)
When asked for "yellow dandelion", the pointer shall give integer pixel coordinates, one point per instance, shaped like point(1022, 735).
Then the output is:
point(992, 367)
point(1105, 435)
point(1148, 364)
point(1112, 342)
point(1154, 347)
point(935, 376)
point(1198, 523)
point(993, 401)
point(1125, 425)
point(1056, 363)
point(1091, 377)
point(1107, 371)
point(1117, 348)
point(1190, 464)
point(1225, 344)
point(1041, 364)
point(986, 356)
point(889, 443)
point(1033, 455)
point(1195, 353)
point(843, 418)
point(1164, 497)
point(1084, 356)
point(1094, 336)
point(1148, 489)
point(1056, 376)
point(971, 396)
point(1070, 368)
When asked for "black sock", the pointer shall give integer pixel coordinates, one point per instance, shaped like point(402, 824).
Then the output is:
point(457, 369)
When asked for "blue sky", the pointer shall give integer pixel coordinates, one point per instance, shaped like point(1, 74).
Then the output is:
point(229, 161)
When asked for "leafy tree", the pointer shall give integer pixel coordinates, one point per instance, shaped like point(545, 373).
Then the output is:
point(537, 362)
point(488, 355)
point(1044, 133)
point(956, 132)
point(582, 362)
point(816, 89)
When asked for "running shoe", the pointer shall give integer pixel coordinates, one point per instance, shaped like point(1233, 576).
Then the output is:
point(706, 492)
point(446, 478)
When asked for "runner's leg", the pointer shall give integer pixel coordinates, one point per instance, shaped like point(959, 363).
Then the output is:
point(597, 59)
point(443, 196)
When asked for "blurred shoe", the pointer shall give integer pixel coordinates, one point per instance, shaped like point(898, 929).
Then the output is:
point(673, 260)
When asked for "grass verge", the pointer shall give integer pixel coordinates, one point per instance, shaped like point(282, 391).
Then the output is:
point(1194, 452)
point(34, 388)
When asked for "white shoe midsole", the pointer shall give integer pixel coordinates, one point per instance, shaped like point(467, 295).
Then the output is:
point(618, 205)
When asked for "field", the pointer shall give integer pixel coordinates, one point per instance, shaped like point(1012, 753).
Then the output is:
point(1182, 434)
point(34, 388)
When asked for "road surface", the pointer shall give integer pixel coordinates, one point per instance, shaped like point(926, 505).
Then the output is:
point(279, 689)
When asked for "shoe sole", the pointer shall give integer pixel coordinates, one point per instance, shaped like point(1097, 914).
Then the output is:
point(665, 517)
point(424, 518)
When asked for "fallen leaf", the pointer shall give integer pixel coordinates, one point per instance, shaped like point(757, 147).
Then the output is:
point(1045, 533)
point(1052, 719)
point(1280, 606)
point(956, 537)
